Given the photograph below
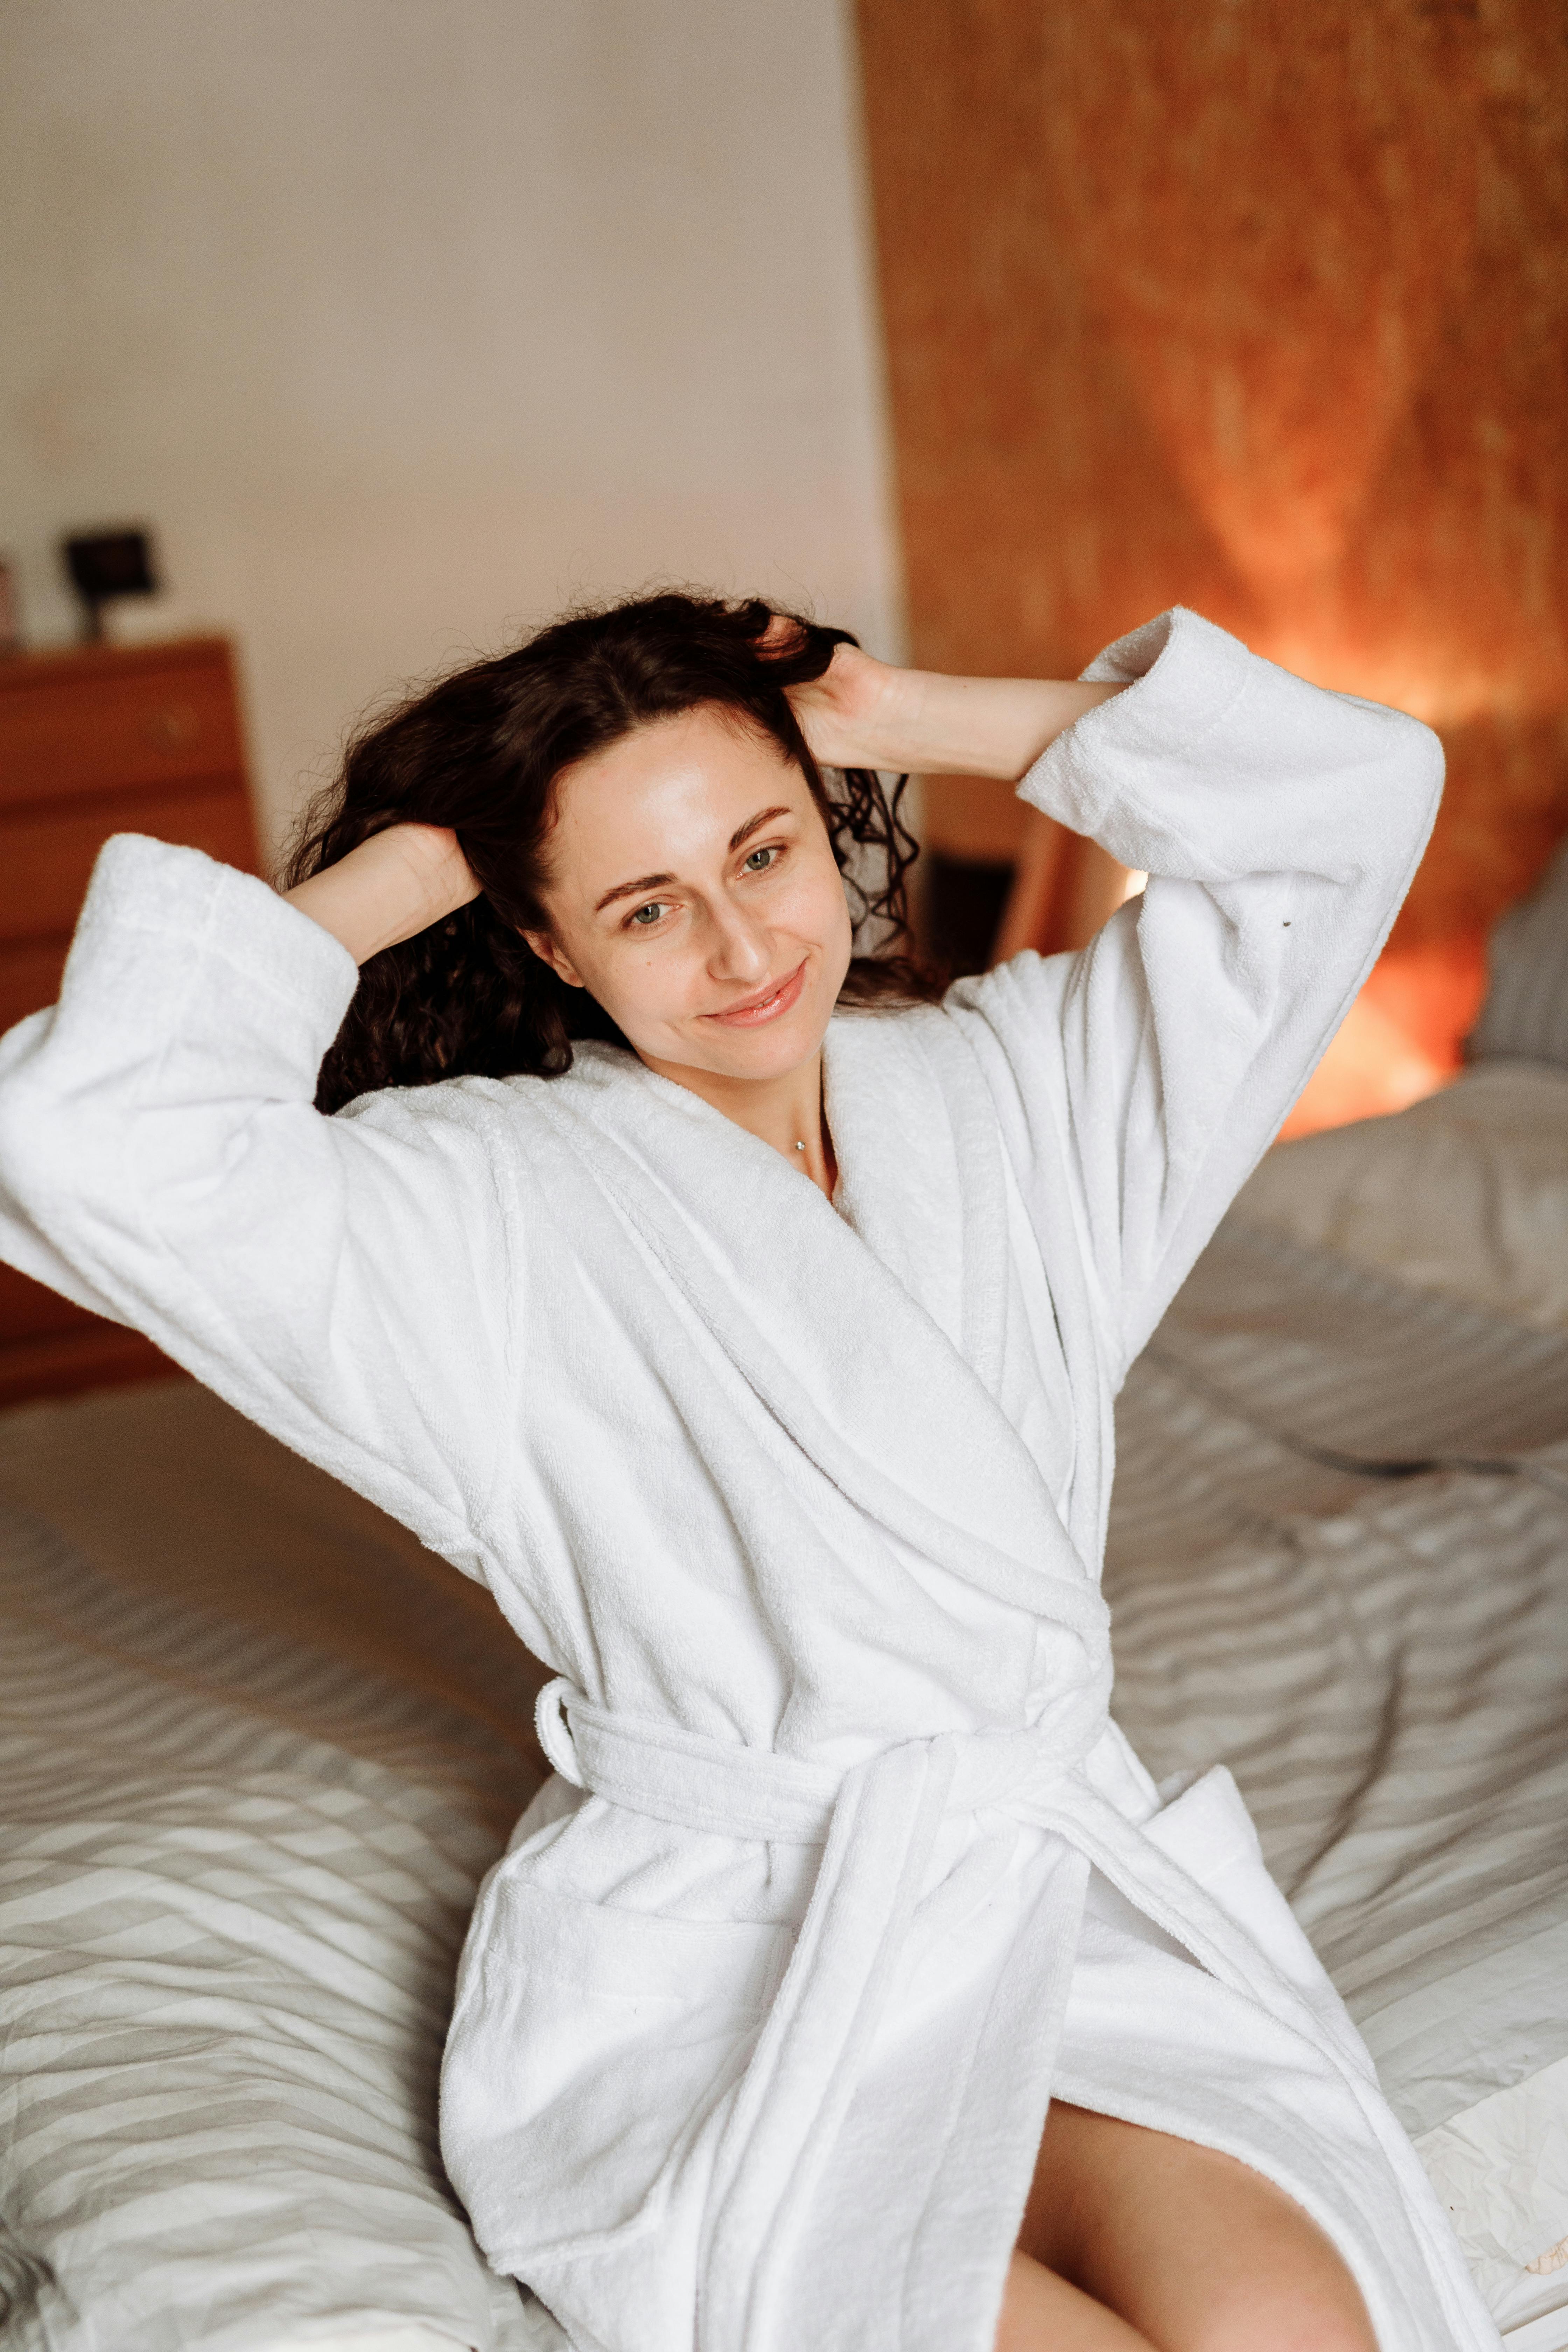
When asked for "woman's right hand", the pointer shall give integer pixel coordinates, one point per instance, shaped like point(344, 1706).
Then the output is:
point(391, 887)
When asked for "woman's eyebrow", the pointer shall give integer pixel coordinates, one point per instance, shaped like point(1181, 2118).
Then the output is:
point(625, 890)
point(657, 881)
point(764, 816)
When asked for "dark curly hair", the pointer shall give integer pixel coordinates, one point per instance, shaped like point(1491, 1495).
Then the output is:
point(481, 750)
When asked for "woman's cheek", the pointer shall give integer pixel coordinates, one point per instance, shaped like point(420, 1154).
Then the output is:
point(815, 909)
point(646, 985)
point(838, 926)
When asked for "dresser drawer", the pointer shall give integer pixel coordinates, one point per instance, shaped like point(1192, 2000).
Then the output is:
point(29, 1311)
point(97, 741)
point(46, 858)
point(117, 732)
point(29, 979)
point(91, 1355)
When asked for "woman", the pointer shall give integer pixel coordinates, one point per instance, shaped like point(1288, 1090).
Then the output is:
point(751, 1327)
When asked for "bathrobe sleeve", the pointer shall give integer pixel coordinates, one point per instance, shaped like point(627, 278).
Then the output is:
point(1280, 825)
point(345, 1282)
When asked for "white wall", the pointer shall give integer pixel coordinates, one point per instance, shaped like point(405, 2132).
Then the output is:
point(403, 322)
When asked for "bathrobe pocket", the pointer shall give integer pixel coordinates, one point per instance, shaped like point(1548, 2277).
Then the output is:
point(1208, 1831)
point(589, 2046)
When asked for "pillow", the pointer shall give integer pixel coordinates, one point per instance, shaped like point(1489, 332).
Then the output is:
point(1465, 1193)
point(1525, 1015)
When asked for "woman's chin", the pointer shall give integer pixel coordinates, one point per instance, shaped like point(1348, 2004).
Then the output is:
point(762, 1053)
point(769, 1053)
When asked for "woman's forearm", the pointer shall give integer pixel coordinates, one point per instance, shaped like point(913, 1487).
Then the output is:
point(393, 886)
point(987, 726)
point(871, 714)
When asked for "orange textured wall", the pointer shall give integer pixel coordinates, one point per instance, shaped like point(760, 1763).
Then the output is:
point(1262, 307)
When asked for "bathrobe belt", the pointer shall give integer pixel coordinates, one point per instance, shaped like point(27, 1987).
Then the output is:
point(876, 1823)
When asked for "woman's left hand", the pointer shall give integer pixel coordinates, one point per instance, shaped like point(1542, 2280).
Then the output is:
point(863, 713)
point(859, 713)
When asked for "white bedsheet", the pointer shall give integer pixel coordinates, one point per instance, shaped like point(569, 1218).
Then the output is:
point(257, 1749)
point(1465, 1196)
point(1384, 1663)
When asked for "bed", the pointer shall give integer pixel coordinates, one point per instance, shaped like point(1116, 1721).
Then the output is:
point(1339, 1560)
point(257, 1749)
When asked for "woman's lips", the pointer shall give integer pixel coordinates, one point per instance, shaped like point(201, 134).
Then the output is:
point(758, 1009)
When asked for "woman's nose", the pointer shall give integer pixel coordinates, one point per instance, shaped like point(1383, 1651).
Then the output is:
point(738, 946)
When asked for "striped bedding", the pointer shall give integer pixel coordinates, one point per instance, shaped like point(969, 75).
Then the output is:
point(256, 1749)
point(1383, 1660)
point(1526, 1013)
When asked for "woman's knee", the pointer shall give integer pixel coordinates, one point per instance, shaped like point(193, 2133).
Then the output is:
point(1193, 2248)
point(1288, 2315)
point(1042, 2313)
point(1301, 2306)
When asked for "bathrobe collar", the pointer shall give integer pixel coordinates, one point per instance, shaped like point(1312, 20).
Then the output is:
point(919, 1172)
point(873, 1333)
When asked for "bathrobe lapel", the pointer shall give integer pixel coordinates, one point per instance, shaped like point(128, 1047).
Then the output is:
point(876, 1345)
point(920, 1177)
point(1022, 1086)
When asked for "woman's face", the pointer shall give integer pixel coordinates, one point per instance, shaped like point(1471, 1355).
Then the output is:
point(694, 892)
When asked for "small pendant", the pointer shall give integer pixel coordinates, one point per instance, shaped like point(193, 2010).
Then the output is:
point(800, 1147)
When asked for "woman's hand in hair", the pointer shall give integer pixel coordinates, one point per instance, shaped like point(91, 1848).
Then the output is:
point(863, 713)
point(859, 713)
point(395, 884)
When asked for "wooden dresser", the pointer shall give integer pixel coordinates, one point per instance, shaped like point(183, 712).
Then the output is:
point(100, 740)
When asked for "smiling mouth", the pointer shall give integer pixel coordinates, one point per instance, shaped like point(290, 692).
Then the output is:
point(758, 1009)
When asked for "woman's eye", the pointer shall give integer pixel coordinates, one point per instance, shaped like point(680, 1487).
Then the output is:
point(646, 917)
point(752, 866)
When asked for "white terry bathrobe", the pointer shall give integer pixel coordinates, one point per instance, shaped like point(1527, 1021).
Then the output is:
point(805, 1503)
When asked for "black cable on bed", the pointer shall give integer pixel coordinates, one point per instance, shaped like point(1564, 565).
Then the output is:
point(1356, 1465)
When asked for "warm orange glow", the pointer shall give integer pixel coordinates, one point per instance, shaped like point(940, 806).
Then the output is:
point(1262, 310)
point(1403, 1037)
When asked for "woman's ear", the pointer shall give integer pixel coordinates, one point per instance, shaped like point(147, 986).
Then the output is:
point(545, 948)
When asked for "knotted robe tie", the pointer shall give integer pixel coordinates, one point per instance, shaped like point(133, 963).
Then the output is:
point(876, 1823)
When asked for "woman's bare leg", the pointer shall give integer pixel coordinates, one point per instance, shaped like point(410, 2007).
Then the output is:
point(1041, 2312)
point(1193, 2251)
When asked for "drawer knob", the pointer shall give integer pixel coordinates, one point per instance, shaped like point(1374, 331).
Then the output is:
point(172, 727)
